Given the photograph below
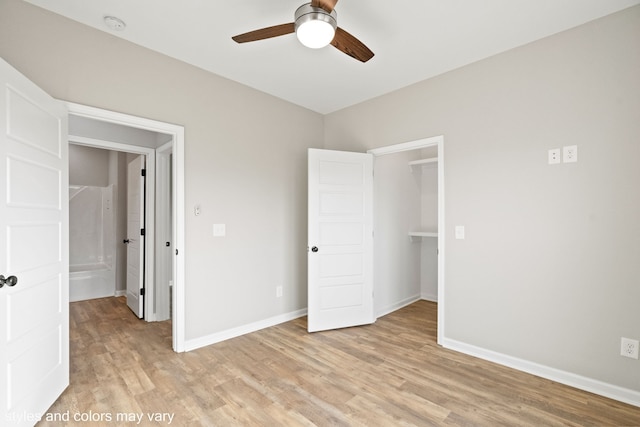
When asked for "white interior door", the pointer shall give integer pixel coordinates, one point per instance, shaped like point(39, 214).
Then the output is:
point(340, 253)
point(135, 236)
point(34, 248)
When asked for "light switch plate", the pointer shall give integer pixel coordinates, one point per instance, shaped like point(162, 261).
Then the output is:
point(460, 232)
point(219, 230)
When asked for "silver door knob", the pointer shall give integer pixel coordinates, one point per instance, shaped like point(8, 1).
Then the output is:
point(9, 281)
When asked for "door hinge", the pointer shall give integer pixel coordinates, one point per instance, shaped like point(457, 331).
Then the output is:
point(142, 292)
point(143, 172)
point(142, 231)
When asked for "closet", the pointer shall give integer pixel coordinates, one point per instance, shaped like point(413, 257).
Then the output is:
point(425, 237)
point(405, 228)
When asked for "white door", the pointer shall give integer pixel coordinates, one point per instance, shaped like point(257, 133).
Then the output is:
point(340, 252)
point(135, 236)
point(34, 250)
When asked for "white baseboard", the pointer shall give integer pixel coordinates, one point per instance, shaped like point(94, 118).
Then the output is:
point(242, 330)
point(429, 297)
point(611, 391)
point(397, 306)
point(121, 293)
point(256, 326)
point(601, 388)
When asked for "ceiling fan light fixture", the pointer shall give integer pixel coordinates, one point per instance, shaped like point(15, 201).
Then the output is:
point(315, 27)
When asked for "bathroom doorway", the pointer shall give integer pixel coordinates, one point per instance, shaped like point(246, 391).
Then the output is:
point(162, 146)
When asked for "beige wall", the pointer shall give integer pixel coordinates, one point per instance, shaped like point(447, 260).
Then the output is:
point(549, 270)
point(88, 166)
point(245, 159)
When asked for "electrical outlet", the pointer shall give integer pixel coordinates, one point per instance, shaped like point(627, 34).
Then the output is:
point(278, 291)
point(554, 156)
point(570, 154)
point(219, 230)
point(629, 348)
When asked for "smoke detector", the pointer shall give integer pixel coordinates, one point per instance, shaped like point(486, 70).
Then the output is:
point(114, 23)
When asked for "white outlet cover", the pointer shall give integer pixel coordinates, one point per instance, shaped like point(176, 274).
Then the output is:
point(629, 348)
point(570, 154)
point(459, 232)
point(219, 230)
point(554, 156)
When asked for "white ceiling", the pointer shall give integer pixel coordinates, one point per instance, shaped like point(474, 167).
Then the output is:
point(412, 39)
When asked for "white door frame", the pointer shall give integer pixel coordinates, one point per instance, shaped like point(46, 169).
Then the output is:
point(435, 141)
point(177, 134)
point(164, 209)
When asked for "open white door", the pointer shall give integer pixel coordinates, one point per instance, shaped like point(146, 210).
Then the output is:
point(34, 248)
point(340, 252)
point(135, 236)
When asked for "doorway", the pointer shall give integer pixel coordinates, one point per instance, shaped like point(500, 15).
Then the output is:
point(342, 273)
point(159, 140)
point(433, 143)
point(106, 249)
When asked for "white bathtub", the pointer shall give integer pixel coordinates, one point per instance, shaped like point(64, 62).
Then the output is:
point(92, 246)
point(88, 281)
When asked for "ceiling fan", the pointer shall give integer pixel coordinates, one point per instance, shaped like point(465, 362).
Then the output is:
point(316, 26)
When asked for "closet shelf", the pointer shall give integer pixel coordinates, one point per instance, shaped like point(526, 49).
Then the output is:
point(423, 162)
point(414, 235)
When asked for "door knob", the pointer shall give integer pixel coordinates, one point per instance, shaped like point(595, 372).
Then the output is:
point(314, 249)
point(9, 281)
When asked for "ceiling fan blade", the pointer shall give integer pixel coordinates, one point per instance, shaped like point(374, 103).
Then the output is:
point(350, 45)
point(265, 33)
point(327, 5)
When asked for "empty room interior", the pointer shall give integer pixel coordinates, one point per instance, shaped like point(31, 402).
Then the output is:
point(434, 220)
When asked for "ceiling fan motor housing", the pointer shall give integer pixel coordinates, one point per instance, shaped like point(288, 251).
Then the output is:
point(315, 16)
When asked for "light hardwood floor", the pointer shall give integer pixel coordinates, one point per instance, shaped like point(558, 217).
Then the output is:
point(391, 373)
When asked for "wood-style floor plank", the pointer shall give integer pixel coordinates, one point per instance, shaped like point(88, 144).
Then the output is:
point(391, 373)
